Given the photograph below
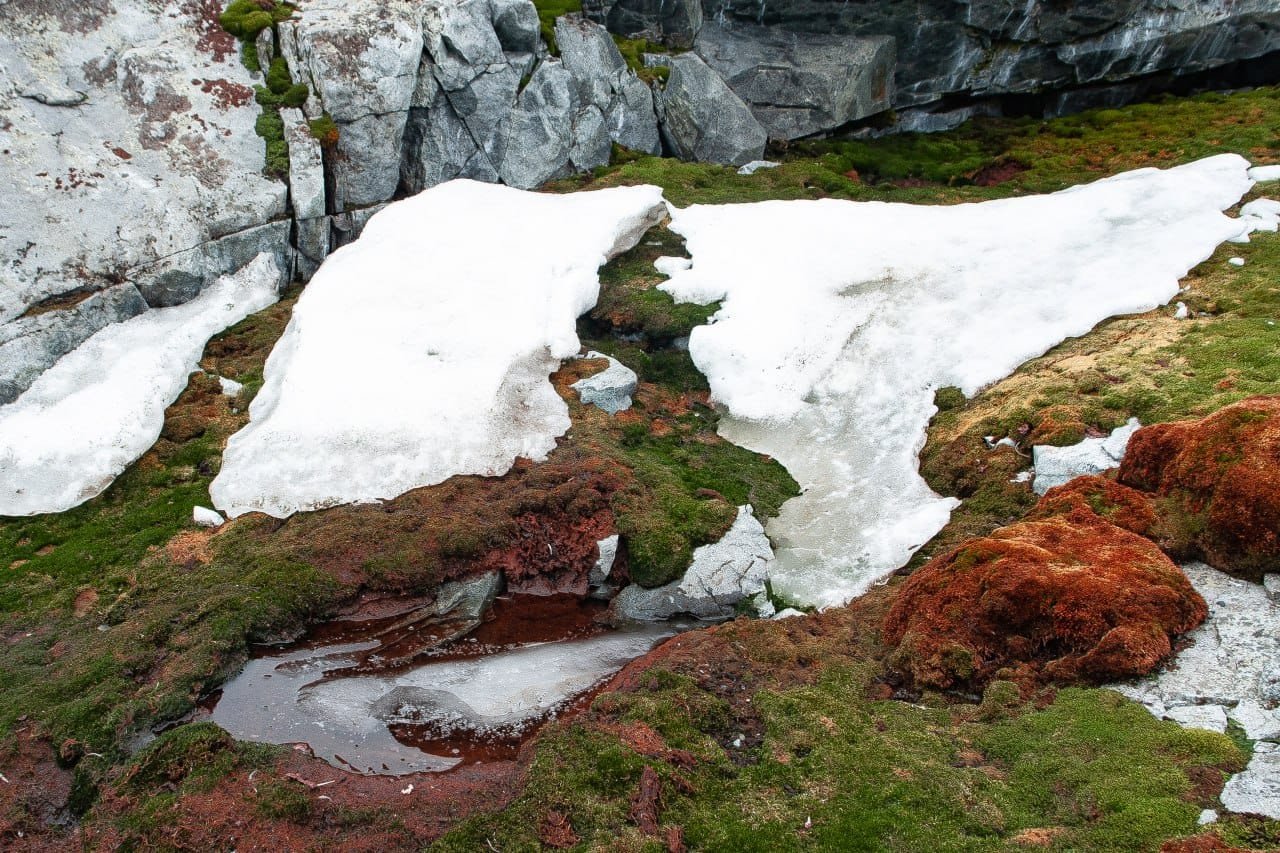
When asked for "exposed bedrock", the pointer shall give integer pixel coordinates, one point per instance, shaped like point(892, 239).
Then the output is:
point(801, 84)
point(131, 170)
point(998, 47)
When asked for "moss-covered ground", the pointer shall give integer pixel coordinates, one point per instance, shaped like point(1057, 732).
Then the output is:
point(120, 614)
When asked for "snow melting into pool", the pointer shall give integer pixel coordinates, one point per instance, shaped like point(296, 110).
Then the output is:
point(423, 349)
point(101, 406)
point(840, 319)
point(345, 720)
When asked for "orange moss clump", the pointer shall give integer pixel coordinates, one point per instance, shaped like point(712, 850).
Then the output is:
point(1122, 506)
point(1068, 597)
point(1216, 485)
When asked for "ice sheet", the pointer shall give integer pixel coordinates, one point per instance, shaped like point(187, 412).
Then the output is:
point(101, 406)
point(840, 319)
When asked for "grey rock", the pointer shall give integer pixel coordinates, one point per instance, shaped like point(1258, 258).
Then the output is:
point(591, 145)
point(533, 142)
point(311, 239)
point(1271, 583)
point(361, 58)
point(1230, 660)
point(437, 145)
point(1056, 465)
point(631, 118)
point(722, 575)
point(346, 227)
point(756, 165)
point(800, 85)
point(179, 277)
point(703, 120)
point(1258, 721)
point(31, 345)
point(609, 390)
point(306, 167)
point(134, 143)
point(516, 24)
point(469, 598)
point(460, 40)
point(265, 44)
point(1257, 789)
point(603, 80)
point(674, 23)
point(1209, 717)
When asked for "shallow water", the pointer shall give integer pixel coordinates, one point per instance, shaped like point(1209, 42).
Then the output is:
point(393, 695)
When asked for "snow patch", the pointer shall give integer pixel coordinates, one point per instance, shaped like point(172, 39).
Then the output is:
point(840, 319)
point(1265, 173)
point(756, 165)
point(669, 266)
point(1057, 465)
point(422, 350)
point(101, 406)
point(206, 517)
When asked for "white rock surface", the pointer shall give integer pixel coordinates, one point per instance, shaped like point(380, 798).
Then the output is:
point(230, 387)
point(721, 575)
point(1056, 465)
point(128, 137)
point(102, 405)
point(420, 352)
point(1207, 817)
point(611, 388)
point(1236, 262)
point(833, 375)
point(1233, 659)
point(1210, 717)
point(206, 517)
point(1257, 789)
point(1271, 583)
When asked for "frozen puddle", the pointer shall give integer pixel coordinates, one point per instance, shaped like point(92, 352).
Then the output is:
point(430, 716)
point(840, 319)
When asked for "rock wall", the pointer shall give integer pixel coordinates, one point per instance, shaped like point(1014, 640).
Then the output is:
point(985, 48)
point(130, 169)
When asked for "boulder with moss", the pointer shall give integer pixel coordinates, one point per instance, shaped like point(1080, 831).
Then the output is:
point(1067, 597)
point(1216, 485)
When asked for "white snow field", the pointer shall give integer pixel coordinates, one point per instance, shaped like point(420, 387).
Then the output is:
point(840, 319)
point(101, 406)
point(423, 349)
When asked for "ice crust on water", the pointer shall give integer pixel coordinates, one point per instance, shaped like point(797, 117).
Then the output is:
point(102, 405)
point(285, 699)
point(422, 350)
point(840, 319)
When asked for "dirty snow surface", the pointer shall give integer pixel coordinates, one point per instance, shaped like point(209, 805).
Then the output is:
point(840, 319)
point(102, 405)
point(422, 350)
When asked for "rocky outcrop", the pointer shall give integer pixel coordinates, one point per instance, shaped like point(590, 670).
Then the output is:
point(799, 85)
point(985, 48)
point(702, 118)
point(674, 23)
point(130, 167)
point(609, 390)
point(1216, 485)
point(1066, 598)
point(722, 575)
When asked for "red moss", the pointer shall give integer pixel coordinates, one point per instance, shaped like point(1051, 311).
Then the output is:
point(1216, 484)
point(646, 802)
point(1068, 597)
point(1122, 506)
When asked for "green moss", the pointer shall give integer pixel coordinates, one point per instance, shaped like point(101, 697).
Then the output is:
point(324, 130)
point(839, 772)
point(948, 398)
point(249, 56)
point(633, 51)
point(278, 77)
point(244, 19)
point(282, 799)
point(270, 126)
point(548, 11)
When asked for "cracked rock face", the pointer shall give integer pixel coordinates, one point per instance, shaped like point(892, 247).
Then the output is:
point(702, 118)
point(722, 574)
point(993, 47)
point(799, 85)
point(130, 159)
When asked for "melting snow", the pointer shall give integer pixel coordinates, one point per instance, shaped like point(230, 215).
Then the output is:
point(102, 405)
point(422, 350)
point(840, 319)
